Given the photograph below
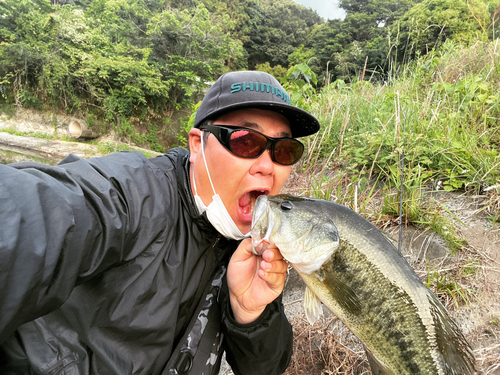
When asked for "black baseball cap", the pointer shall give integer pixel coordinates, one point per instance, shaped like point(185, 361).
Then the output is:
point(254, 89)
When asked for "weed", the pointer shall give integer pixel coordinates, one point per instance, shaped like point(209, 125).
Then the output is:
point(7, 109)
point(325, 348)
point(446, 128)
point(434, 219)
point(444, 286)
point(41, 135)
point(106, 148)
point(469, 269)
point(65, 138)
point(12, 130)
point(9, 130)
point(383, 146)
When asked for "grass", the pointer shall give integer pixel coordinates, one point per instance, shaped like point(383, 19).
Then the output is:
point(445, 286)
point(7, 157)
point(7, 110)
point(325, 348)
point(42, 135)
point(106, 148)
point(436, 126)
point(388, 151)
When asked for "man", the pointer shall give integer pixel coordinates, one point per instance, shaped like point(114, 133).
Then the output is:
point(117, 265)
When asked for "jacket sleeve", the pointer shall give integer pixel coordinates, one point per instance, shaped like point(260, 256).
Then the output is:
point(261, 347)
point(62, 225)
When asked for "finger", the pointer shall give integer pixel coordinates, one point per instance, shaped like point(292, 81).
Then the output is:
point(244, 251)
point(272, 254)
point(258, 247)
point(275, 281)
point(277, 266)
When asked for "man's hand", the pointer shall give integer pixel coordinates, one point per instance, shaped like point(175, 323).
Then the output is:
point(254, 281)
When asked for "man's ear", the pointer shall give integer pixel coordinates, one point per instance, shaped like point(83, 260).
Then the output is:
point(194, 143)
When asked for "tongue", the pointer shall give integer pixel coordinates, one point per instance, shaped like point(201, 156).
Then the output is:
point(245, 203)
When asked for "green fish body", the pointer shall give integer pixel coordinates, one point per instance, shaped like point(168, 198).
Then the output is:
point(350, 266)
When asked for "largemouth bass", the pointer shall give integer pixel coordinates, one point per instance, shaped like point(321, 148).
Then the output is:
point(353, 269)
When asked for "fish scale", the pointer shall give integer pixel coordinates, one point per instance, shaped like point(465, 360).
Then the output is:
point(390, 321)
point(366, 283)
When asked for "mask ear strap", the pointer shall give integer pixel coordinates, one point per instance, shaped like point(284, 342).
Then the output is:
point(205, 160)
point(194, 183)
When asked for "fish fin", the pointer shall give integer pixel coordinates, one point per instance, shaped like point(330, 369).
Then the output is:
point(312, 306)
point(343, 294)
point(377, 366)
point(327, 227)
point(332, 232)
point(452, 344)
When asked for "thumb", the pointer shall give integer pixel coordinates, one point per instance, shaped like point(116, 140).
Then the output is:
point(244, 251)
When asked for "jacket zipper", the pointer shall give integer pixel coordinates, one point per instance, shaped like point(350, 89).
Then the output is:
point(214, 248)
point(217, 240)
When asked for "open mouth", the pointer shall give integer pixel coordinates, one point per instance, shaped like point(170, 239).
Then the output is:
point(247, 203)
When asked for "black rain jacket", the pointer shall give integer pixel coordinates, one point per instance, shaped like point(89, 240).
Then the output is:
point(100, 261)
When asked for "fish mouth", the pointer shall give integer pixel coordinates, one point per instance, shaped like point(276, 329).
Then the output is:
point(259, 209)
point(262, 231)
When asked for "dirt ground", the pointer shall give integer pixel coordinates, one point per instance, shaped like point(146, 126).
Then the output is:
point(328, 347)
point(480, 322)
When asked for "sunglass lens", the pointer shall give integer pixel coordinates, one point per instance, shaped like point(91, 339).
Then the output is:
point(247, 144)
point(288, 151)
point(250, 144)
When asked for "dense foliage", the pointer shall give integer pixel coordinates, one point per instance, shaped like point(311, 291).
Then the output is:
point(436, 126)
point(139, 65)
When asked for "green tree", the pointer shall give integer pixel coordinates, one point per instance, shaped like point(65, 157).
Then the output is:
point(277, 71)
point(274, 29)
point(128, 61)
point(379, 12)
point(345, 45)
point(191, 47)
point(429, 24)
point(30, 51)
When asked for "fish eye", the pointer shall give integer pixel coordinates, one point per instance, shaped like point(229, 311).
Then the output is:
point(286, 206)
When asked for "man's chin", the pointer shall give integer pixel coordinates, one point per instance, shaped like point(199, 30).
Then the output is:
point(245, 228)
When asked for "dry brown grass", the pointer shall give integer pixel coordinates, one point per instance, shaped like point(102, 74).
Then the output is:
point(327, 348)
point(467, 61)
point(488, 359)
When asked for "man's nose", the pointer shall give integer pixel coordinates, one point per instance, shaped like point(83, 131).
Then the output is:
point(264, 164)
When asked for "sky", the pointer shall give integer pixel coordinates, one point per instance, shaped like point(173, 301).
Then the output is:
point(328, 9)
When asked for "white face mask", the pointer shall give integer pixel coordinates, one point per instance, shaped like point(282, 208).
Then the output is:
point(216, 211)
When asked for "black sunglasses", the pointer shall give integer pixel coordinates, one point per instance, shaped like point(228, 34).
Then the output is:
point(250, 144)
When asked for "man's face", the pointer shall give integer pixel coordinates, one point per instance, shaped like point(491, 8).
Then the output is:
point(239, 181)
